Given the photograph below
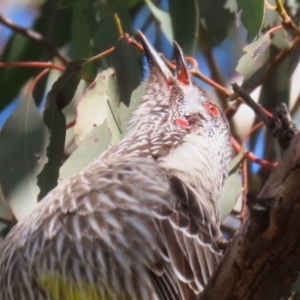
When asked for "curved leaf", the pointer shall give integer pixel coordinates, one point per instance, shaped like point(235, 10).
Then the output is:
point(91, 147)
point(59, 97)
point(163, 18)
point(219, 18)
point(22, 156)
point(252, 15)
point(125, 61)
point(253, 64)
point(98, 139)
point(92, 108)
point(185, 23)
point(232, 187)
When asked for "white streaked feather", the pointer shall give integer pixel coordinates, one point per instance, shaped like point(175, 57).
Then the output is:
point(122, 195)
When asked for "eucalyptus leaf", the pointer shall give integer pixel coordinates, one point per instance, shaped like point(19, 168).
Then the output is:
point(58, 98)
point(98, 139)
point(126, 62)
point(185, 23)
point(253, 64)
point(232, 187)
point(92, 108)
point(218, 17)
point(252, 15)
point(23, 141)
point(125, 113)
point(91, 147)
point(81, 42)
point(163, 18)
point(280, 39)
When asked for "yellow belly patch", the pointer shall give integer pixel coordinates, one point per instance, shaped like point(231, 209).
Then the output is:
point(60, 288)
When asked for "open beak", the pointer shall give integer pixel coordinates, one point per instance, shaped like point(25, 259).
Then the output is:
point(153, 58)
point(182, 71)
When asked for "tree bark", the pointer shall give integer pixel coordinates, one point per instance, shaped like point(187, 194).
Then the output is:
point(263, 259)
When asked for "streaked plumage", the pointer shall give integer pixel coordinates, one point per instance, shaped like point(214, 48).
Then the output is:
point(141, 222)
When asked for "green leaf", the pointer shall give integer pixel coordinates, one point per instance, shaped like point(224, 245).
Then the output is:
point(16, 49)
point(126, 62)
point(66, 3)
point(92, 146)
point(92, 108)
point(81, 45)
point(163, 18)
point(59, 97)
point(22, 156)
point(125, 113)
point(98, 139)
point(185, 23)
point(252, 15)
point(110, 6)
point(232, 187)
point(280, 39)
point(219, 18)
point(253, 64)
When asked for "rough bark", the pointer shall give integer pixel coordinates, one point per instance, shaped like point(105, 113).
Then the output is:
point(263, 259)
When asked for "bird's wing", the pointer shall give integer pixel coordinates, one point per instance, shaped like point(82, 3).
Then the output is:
point(189, 237)
point(99, 237)
point(94, 237)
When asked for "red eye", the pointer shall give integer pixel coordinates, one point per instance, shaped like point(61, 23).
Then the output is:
point(212, 109)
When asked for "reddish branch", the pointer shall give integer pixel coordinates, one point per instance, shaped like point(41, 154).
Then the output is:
point(34, 36)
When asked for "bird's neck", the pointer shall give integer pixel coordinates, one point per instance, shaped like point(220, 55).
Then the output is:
point(150, 139)
point(196, 163)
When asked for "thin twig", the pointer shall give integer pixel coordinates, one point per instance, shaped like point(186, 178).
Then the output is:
point(35, 36)
point(36, 80)
point(100, 55)
point(251, 156)
point(259, 111)
point(34, 64)
point(252, 130)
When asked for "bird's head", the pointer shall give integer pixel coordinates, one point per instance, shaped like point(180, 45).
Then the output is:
point(176, 100)
point(173, 110)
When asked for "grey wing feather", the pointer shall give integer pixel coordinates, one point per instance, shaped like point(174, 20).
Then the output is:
point(115, 226)
point(190, 239)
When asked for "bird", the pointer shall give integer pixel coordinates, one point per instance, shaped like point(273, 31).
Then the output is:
point(140, 222)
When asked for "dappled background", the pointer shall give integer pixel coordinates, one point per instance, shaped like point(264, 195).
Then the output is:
point(51, 128)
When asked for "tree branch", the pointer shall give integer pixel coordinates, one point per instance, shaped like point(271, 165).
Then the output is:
point(35, 36)
point(263, 259)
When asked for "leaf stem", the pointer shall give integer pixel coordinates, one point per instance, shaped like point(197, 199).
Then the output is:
point(251, 156)
point(286, 19)
point(100, 55)
point(119, 25)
